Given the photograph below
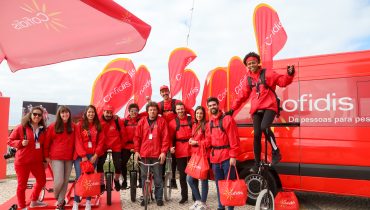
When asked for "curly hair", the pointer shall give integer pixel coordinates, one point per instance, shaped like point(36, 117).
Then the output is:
point(251, 54)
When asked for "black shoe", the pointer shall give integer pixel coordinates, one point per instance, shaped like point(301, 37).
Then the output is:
point(173, 184)
point(117, 185)
point(102, 189)
point(142, 203)
point(124, 185)
point(276, 157)
point(183, 200)
point(160, 203)
point(60, 206)
point(140, 184)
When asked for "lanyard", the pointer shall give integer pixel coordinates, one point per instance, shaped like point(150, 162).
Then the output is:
point(151, 125)
point(89, 135)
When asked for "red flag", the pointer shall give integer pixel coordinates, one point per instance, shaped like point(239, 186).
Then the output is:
point(270, 34)
point(142, 86)
point(122, 63)
point(218, 86)
point(179, 59)
point(236, 79)
point(41, 32)
point(190, 88)
point(112, 87)
point(206, 89)
point(127, 113)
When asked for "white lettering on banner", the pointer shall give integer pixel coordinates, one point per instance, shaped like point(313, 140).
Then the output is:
point(275, 29)
point(329, 103)
point(116, 90)
point(146, 85)
point(26, 22)
point(132, 72)
point(222, 96)
point(192, 92)
point(178, 77)
point(239, 87)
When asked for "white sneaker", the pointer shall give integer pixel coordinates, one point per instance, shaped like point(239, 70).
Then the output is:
point(36, 204)
point(75, 205)
point(202, 206)
point(88, 205)
point(194, 206)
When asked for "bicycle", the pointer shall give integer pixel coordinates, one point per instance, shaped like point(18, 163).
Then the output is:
point(167, 189)
point(147, 188)
point(133, 179)
point(109, 178)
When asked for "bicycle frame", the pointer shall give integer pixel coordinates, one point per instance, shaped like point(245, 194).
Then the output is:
point(148, 182)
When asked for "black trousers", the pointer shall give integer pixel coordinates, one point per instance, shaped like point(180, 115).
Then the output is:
point(116, 156)
point(262, 121)
point(181, 165)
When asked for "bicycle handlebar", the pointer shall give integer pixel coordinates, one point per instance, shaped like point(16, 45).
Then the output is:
point(148, 164)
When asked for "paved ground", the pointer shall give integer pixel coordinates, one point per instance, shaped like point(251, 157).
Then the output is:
point(308, 201)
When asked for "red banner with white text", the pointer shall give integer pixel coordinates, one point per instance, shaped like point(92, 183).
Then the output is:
point(270, 34)
point(142, 86)
point(190, 88)
point(218, 86)
point(236, 79)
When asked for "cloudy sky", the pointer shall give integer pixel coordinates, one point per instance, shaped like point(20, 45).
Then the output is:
point(220, 29)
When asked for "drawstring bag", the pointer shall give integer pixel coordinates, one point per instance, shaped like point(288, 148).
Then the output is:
point(286, 200)
point(198, 165)
point(87, 167)
point(233, 192)
point(88, 184)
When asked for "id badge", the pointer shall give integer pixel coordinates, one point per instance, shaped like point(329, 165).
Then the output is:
point(150, 136)
point(89, 144)
point(37, 145)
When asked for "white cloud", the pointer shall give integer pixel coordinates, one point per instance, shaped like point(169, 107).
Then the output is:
point(220, 29)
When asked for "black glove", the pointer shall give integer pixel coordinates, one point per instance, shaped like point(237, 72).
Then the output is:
point(290, 70)
point(230, 112)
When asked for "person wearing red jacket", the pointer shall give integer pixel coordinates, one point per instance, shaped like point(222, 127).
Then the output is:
point(129, 125)
point(222, 137)
point(58, 150)
point(151, 143)
point(28, 138)
point(89, 145)
point(112, 132)
point(197, 142)
point(264, 103)
point(167, 108)
point(180, 133)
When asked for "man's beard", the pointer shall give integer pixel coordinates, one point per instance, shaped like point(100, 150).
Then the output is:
point(214, 111)
point(107, 118)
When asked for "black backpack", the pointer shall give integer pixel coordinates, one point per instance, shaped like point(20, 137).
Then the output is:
point(178, 123)
point(262, 81)
point(173, 106)
point(126, 122)
point(219, 124)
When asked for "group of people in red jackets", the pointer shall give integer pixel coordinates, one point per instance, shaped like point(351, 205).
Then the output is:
point(167, 126)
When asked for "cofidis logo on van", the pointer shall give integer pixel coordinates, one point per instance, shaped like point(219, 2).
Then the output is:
point(37, 15)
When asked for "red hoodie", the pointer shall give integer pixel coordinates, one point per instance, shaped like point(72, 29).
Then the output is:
point(27, 154)
point(199, 134)
point(218, 138)
point(112, 135)
point(128, 132)
point(180, 138)
point(82, 139)
point(59, 146)
point(151, 148)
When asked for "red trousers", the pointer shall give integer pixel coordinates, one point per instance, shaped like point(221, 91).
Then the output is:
point(23, 172)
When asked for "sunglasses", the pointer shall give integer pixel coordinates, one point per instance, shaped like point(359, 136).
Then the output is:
point(36, 114)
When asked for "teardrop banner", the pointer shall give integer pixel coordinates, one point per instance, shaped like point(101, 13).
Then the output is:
point(218, 86)
point(190, 88)
point(142, 86)
point(114, 87)
point(236, 79)
point(178, 60)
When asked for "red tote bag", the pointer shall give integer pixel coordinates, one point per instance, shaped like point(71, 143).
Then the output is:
point(233, 192)
point(286, 200)
point(88, 185)
point(198, 165)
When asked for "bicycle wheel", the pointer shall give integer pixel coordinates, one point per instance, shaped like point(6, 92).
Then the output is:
point(146, 194)
point(108, 186)
point(167, 186)
point(265, 201)
point(133, 182)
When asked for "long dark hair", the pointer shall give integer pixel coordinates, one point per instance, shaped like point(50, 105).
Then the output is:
point(85, 121)
point(26, 120)
point(202, 122)
point(59, 124)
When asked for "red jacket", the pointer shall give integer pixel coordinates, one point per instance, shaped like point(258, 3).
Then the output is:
point(27, 154)
point(168, 113)
point(180, 138)
point(151, 148)
point(219, 138)
point(112, 135)
point(82, 139)
point(128, 132)
point(59, 146)
point(266, 98)
point(199, 134)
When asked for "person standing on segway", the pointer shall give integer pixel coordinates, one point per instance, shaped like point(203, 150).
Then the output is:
point(180, 133)
point(265, 105)
point(168, 111)
point(111, 127)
